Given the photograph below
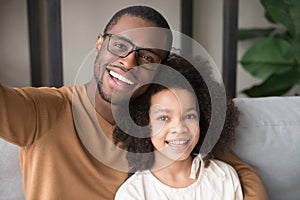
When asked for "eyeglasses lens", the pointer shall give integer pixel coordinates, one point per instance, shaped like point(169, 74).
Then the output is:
point(122, 47)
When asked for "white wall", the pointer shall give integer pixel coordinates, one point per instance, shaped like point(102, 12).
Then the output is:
point(208, 27)
point(14, 43)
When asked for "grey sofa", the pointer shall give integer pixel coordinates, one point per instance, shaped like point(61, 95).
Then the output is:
point(268, 138)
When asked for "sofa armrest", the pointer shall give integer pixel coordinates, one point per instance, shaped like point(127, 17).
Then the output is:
point(268, 138)
point(10, 173)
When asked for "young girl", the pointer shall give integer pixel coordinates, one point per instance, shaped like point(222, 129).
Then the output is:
point(165, 155)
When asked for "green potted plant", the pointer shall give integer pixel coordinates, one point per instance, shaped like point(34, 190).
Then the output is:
point(275, 57)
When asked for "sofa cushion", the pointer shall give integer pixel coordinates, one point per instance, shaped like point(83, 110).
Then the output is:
point(10, 172)
point(268, 138)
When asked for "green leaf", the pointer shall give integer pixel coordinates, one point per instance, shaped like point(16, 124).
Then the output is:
point(276, 85)
point(294, 6)
point(269, 18)
point(284, 36)
point(264, 71)
point(285, 12)
point(266, 57)
point(245, 34)
point(279, 11)
point(294, 52)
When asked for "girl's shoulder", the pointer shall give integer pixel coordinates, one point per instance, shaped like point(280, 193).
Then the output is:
point(134, 186)
point(217, 168)
point(221, 170)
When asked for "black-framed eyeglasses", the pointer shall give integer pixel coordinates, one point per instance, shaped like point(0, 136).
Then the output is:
point(122, 47)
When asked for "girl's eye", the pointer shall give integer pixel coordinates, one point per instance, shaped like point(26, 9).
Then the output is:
point(163, 118)
point(190, 116)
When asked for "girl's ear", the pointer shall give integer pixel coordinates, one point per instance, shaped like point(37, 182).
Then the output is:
point(99, 43)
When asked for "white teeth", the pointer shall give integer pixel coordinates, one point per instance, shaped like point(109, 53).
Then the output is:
point(120, 77)
point(178, 142)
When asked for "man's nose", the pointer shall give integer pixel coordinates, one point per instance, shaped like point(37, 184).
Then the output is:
point(129, 61)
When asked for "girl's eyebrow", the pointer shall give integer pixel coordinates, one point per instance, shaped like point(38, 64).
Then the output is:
point(191, 109)
point(160, 110)
point(156, 108)
point(167, 110)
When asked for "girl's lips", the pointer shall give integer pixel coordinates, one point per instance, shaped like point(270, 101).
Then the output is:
point(177, 142)
point(180, 144)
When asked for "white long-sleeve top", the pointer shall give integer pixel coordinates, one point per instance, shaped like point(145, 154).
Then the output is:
point(219, 181)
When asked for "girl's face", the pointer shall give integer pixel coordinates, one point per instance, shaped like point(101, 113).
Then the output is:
point(174, 121)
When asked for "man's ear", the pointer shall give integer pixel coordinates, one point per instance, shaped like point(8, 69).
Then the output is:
point(99, 43)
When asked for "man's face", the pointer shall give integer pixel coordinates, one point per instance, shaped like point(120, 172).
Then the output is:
point(117, 77)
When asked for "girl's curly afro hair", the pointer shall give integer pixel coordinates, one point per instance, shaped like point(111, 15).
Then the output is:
point(138, 142)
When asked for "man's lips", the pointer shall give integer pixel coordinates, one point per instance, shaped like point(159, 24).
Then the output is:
point(120, 78)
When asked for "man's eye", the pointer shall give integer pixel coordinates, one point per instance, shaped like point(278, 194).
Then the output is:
point(119, 46)
point(147, 58)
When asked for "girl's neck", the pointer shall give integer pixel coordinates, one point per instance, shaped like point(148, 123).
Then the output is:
point(176, 174)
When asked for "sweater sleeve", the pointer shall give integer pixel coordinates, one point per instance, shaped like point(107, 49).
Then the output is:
point(252, 186)
point(27, 113)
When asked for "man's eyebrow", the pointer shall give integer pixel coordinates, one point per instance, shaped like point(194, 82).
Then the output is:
point(121, 37)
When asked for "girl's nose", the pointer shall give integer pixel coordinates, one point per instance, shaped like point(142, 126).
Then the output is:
point(178, 126)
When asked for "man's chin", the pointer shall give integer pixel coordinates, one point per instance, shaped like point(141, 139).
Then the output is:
point(116, 99)
point(119, 99)
point(102, 93)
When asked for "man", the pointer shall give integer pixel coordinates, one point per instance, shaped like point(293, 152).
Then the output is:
point(65, 134)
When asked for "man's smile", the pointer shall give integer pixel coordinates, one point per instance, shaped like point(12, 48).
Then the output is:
point(119, 79)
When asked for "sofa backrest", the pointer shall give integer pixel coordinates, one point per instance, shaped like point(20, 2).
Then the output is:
point(268, 138)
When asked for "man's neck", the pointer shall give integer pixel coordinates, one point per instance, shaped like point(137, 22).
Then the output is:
point(101, 106)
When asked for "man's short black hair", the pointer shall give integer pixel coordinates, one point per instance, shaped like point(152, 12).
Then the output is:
point(143, 12)
point(146, 13)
